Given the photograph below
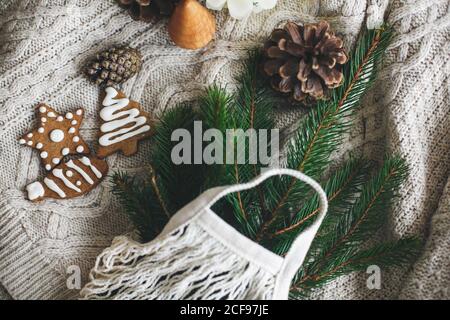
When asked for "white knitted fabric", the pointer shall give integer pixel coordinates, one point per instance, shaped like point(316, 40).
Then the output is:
point(44, 43)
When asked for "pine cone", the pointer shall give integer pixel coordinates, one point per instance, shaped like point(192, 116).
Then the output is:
point(148, 10)
point(114, 66)
point(304, 61)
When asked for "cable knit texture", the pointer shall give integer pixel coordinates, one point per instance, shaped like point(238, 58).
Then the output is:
point(44, 44)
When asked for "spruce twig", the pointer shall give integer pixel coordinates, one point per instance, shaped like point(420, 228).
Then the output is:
point(252, 109)
point(341, 188)
point(140, 205)
point(279, 210)
point(322, 130)
point(156, 190)
point(338, 250)
point(385, 255)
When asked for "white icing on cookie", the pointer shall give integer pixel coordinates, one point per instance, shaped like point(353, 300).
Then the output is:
point(22, 141)
point(57, 135)
point(55, 160)
point(80, 149)
point(74, 122)
point(54, 187)
point(59, 174)
point(30, 135)
point(76, 139)
point(41, 130)
point(73, 166)
point(115, 119)
point(48, 167)
point(51, 114)
point(35, 190)
point(69, 173)
point(30, 143)
point(69, 115)
point(65, 151)
point(71, 130)
point(87, 162)
point(43, 119)
point(60, 118)
point(42, 109)
point(44, 154)
point(78, 183)
point(39, 145)
point(79, 112)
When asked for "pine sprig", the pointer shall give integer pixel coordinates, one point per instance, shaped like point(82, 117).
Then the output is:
point(252, 110)
point(370, 210)
point(140, 203)
point(385, 255)
point(172, 175)
point(334, 251)
point(215, 108)
point(276, 212)
point(150, 202)
point(215, 112)
point(254, 103)
point(322, 130)
point(342, 188)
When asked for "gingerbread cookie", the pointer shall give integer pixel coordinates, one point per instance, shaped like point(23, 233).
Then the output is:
point(123, 124)
point(56, 136)
point(68, 180)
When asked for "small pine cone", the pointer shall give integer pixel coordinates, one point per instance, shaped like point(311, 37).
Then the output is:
point(304, 61)
point(114, 66)
point(148, 10)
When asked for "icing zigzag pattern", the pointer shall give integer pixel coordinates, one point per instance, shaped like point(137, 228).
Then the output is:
point(123, 124)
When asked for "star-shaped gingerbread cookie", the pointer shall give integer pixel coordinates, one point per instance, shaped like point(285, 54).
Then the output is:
point(56, 135)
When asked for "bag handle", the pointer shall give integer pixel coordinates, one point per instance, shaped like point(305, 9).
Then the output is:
point(299, 248)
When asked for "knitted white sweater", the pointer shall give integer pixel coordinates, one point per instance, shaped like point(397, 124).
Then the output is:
point(44, 43)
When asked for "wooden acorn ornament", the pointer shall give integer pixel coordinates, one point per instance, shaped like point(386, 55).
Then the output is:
point(191, 26)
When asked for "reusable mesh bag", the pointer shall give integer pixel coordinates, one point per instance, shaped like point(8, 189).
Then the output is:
point(199, 256)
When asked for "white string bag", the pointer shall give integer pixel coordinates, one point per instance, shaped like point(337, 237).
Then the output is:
point(199, 256)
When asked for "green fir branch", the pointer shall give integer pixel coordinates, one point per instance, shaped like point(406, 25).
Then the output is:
point(322, 130)
point(368, 213)
point(276, 212)
point(334, 250)
point(341, 188)
point(387, 255)
point(172, 175)
point(215, 112)
point(252, 109)
point(139, 202)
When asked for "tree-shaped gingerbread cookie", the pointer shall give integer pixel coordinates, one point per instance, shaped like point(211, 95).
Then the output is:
point(123, 124)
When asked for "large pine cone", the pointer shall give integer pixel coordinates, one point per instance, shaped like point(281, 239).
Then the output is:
point(114, 66)
point(304, 61)
point(148, 10)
